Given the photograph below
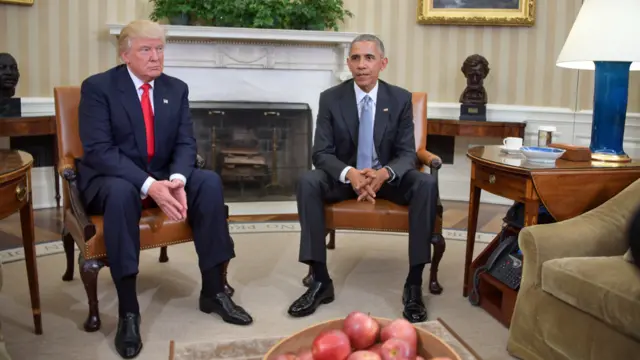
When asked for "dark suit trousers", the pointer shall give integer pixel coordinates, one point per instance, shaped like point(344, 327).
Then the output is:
point(416, 189)
point(120, 204)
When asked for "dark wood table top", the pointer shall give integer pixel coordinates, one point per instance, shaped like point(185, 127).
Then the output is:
point(492, 155)
point(13, 160)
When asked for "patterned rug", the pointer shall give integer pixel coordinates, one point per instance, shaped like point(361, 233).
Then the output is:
point(55, 246)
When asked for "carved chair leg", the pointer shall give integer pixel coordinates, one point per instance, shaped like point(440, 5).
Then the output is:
point(308, 279)
point(228, 289)
point(89, 270)
point(69, 247)
point(439, 246)
point(163, 255)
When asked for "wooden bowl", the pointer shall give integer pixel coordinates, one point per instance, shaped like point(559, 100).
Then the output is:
point(429, 345)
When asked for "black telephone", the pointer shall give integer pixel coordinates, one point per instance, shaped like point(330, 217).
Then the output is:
point(504, 264)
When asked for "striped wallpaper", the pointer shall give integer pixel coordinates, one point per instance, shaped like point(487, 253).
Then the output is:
point(60, 42)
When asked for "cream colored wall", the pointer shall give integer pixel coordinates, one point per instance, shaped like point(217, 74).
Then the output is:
point(60, 42)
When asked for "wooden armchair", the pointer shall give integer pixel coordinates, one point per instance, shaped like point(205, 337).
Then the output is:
point(385, 215)
point(86, 231)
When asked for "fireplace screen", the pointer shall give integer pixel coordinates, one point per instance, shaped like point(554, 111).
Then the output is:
point(258, 149)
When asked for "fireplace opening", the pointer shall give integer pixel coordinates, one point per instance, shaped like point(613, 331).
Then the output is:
point(258, 149)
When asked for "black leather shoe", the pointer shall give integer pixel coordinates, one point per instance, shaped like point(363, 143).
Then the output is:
point(318, 293)
point(414, 309)
point(222, 305)
point(128, 342)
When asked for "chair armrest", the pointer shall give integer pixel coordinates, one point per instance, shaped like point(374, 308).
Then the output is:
point(599, 232)
point(429, 159)
point(68, 173)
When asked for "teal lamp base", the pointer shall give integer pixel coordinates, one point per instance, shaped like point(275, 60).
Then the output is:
point(611, 94)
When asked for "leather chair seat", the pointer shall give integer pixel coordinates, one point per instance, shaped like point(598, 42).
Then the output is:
point(155, 231)
point(381, 216)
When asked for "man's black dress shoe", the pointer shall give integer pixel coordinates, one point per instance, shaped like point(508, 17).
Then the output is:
point(318, 293)
point(222, 305)
point(414, 309)
point(128, 342)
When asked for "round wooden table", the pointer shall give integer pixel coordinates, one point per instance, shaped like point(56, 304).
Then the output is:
point(15, 195)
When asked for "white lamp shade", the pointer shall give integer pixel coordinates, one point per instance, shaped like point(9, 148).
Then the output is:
point(605, 30)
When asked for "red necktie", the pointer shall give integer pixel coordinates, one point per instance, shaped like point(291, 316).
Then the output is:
point(147, 112)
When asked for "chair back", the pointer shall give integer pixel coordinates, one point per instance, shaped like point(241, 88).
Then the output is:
point(67, 101)
point(419, 100)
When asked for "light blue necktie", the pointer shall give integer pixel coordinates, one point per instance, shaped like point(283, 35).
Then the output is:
point(365, 134)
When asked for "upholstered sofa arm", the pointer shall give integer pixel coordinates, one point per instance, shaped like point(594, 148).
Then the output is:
point(599, 232)
point(429, 159)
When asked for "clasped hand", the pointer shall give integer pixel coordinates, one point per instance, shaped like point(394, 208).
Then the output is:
point(367, 182)
point(170, 197)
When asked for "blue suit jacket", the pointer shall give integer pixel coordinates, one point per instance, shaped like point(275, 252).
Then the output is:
point(112, 131)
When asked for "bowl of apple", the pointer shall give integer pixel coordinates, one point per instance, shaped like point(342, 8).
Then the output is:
point(360, 336)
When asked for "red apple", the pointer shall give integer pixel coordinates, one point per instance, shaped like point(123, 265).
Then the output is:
point(397, 349)
point(331, 345)
point(364, 355)
point(305, 355)
point(401, 329)
point(287, 356)
point(361, 329)
point(376, 348)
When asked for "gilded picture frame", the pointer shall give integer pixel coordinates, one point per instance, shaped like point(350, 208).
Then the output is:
point(477, 12)
point(17, 2)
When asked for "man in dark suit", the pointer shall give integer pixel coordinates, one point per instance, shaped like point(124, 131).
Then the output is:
point(364, 148)
point(139, 150)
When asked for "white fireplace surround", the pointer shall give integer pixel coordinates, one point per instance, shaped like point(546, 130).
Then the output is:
point(237, 64)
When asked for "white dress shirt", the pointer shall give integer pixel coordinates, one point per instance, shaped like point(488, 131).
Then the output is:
point(138, 83)
point(360, 94)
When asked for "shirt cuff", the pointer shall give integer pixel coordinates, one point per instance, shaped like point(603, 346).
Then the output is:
point(145, 187)
point(392, 174)
point(178, 177)
point(343, 174)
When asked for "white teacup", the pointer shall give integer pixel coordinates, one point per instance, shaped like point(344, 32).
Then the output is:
point(512, 143)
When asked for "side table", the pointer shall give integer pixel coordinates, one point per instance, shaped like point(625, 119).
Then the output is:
point(15, 195)
point(566, 188)
point(32, 126)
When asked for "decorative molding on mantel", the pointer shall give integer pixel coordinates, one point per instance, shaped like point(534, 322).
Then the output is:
point(182, 32)
point(438, 110)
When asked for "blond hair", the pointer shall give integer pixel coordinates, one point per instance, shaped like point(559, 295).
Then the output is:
point(139, 29)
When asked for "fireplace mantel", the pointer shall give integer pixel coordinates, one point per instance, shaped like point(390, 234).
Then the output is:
point(177, 33)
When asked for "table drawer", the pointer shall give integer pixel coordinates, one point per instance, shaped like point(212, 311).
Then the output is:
point(13, 195)
point(501, 183)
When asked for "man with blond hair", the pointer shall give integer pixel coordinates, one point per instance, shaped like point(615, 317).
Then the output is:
point(139, 151)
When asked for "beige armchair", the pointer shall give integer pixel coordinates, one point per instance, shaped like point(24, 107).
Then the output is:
point(4, 355)
point(579, 299)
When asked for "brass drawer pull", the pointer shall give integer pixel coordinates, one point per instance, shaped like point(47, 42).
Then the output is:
point(492, 179)
point(21, 192)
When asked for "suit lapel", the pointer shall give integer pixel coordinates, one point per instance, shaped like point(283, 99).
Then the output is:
point(382, 116)
point(349, 110)
point(131, 102)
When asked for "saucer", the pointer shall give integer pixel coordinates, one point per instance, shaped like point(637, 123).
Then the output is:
point(510, 151)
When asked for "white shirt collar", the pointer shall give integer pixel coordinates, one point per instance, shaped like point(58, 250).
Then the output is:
point(360, 94)
point(136, 81)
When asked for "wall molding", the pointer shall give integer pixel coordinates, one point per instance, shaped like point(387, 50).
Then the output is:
point(573, 127)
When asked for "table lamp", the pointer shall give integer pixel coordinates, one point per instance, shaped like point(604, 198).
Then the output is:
point(606, 38)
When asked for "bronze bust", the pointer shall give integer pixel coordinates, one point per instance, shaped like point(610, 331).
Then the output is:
point(474, 97)
point(9, 76)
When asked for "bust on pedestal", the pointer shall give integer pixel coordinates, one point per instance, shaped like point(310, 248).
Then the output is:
point(9, 76)
point(474, 97)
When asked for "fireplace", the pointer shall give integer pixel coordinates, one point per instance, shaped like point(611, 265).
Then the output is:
point(259, 149)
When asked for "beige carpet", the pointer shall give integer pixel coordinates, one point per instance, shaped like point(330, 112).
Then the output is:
point(368, 270)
